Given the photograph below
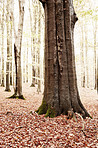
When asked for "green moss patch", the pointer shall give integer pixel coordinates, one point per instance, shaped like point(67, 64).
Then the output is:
point(50, 112)
point(43, 108)
point(46, 109)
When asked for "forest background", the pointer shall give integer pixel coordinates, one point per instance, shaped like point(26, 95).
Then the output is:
point(20, 126)
point(85, 39)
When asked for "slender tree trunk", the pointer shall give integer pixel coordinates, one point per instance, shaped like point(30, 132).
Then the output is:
point(8, 49)
point(39, 49)
point(17, 51)
point(82, 58)
point(27, 75)
point(2, 27)
point(95, 57)
point(11, 69)
point(86, 62)
point(61, 92)
point(33, 29)
point(97, 74)
point(15, 55)
point(18, 48)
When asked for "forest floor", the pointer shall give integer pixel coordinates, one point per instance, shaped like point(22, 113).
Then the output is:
point(21, 127)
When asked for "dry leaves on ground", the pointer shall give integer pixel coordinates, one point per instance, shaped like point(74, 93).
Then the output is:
point(21, 127)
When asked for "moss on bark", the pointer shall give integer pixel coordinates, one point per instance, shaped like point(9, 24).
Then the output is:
point(50, 112)
point(43, 108)
point(46, 109)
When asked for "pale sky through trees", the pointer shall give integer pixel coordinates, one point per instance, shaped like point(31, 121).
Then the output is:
point(86, 21)
point(91, 4)
point(26, 29)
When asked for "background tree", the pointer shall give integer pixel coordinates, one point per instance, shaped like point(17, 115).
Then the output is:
point(37, 43)
point(88, 17)
point(61, 92)
point(17, 50)
point(95, 26)
point(82, 57)
point(9, 45)
point(2, 28)
point(32, 57)
point(33, 40)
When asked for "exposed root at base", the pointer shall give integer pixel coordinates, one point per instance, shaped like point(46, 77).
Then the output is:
point(32, 85)
point(50, 112)
point(14, 96)
point(8, 90)
point(46, 109)
point(42, 109)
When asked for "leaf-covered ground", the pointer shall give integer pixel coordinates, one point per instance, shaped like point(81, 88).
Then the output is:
point(21, 127)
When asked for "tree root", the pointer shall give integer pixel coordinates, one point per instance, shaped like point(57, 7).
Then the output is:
point(21, 97)
point(50, 112)
point(9, 112)
point(8, 90)
point(42, 109)
point(82, 121)
point(86, 114)
point(14, 96)
point(71, 114)
point(32, 85)
point(46, 109)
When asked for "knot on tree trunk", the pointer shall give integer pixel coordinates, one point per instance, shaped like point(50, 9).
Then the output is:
point(74, 19)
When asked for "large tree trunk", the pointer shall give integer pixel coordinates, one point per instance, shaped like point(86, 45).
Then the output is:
point(60, 93)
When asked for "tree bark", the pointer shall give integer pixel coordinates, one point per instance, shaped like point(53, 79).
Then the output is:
point(2, 27)
point(17, 52)
point(61, 92)
point(8, 48)
point(97, 75)
point(95, 53)
point(15, 55)
point(82, 58)
point(86, 62)
point(33, 29)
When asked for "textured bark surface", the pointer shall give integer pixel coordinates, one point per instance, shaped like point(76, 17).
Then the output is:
point(95, 55)
point(8, 49)
point(2, 59)
point(15, 55)
point(61, 92)
point(33, 27)
point(82, 58)
point(17, 52)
